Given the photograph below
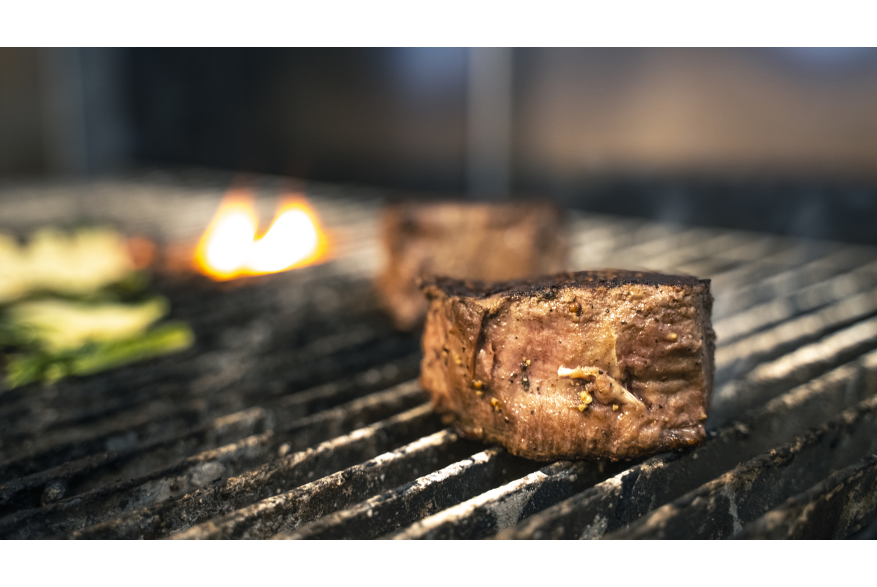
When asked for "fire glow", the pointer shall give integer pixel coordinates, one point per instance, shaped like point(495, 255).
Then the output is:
point(230, 248)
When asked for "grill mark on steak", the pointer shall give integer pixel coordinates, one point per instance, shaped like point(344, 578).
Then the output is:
point(641, 344)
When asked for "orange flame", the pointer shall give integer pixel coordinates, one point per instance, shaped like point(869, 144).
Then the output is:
point(229, 247)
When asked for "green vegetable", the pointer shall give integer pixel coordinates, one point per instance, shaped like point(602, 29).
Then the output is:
point(71, 303)
point(97, 356)
point(58, 325)
point(75, 263)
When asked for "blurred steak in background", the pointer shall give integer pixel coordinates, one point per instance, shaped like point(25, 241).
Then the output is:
point(474, 241)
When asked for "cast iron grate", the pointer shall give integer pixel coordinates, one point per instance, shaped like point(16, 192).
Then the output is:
point(298, 415)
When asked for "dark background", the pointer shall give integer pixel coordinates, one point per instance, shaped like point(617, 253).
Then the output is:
point(770, 139)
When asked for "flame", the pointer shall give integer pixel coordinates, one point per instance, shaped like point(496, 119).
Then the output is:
point(229, 247)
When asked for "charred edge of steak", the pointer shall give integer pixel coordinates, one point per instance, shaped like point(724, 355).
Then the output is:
point(548, 286)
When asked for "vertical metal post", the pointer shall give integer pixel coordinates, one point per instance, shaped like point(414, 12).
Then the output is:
point(63, 103)
point(489, 122)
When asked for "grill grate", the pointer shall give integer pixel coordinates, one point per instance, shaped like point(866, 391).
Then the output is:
point(298, 415)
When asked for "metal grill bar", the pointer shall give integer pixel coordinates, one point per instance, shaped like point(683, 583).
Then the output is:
point(719, 508)
point(805, 300)
point(395, 509)
point(735, 359)
point(149, 435)
point(283, 474)
point(770, 379)
point(88, 473)
point(500, 508)
point(218, 465)
point(763, 280)
point(334, 492)
point(212, 395)
point(835, 508)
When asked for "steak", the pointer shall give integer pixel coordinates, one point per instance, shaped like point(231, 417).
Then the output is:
point(594, 364)
point(467, 241)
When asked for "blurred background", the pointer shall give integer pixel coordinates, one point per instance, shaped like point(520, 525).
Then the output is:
point(782, 140)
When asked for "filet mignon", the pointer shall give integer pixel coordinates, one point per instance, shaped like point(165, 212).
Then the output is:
point(595, 364)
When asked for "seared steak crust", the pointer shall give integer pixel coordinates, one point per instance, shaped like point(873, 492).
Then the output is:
point(465, 240)
point(595, 364)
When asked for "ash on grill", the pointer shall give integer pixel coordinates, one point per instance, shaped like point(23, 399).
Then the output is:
point(298, 415)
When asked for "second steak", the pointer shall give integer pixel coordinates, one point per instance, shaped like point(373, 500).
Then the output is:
point(602, 364)
point(465, 240)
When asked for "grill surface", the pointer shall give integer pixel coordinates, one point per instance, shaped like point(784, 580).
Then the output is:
point(298, 415)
